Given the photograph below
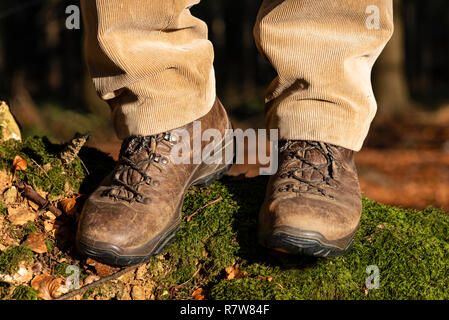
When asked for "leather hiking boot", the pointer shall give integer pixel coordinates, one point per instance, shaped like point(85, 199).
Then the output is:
point(313, 203)
point(136, 210)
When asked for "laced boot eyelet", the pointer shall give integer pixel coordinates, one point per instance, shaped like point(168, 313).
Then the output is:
point(155, 183)
point(139, 198)
point(142, 199)
point(170, 137)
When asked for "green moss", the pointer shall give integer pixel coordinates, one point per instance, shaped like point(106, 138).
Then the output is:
point(3, 211)
point(88, 293)
point(56, 179)
point(60, 269)
point(39, 152)
point(30, 227)
point(207, 240)
point(10, 259)
point(410, 248)
point(20, 232)
point(25, 293)
point(49, 244)
point(247, 289)
point(16, 232)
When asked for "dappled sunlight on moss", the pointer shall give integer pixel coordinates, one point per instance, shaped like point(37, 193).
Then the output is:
point(410, 248)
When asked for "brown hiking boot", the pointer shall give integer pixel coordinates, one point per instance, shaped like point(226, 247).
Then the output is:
point(313, 203)
point(137, 209)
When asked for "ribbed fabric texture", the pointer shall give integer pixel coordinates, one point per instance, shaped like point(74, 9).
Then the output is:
point(152, 62)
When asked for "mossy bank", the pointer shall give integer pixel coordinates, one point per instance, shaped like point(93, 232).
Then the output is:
point(409, 248)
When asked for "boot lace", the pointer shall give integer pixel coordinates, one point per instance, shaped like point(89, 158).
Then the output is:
point(120, 189)
point(327, 171)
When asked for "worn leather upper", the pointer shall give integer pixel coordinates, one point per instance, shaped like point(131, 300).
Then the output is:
point(143, 196)
point(315, 190)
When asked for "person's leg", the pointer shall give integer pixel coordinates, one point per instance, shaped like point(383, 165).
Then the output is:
point(151, 61)
point(322, 103)
point(323, 52)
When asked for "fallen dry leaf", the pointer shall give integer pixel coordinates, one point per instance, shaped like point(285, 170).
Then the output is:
point(46, 285)
point(101, 269)
point(23, 275)
point(138, 293)
point(49, 215)
point(127, 277)
point(33, 205)
point(3, 247)
point(5, 179)
point(10, 195)
point(6, 238)
point(19, 163)
point(49, 227)
point(68, 206)
point(36, 242)
point(91, 279)
point(141, 272)
point(269, 279)
point(199, 294)
point(19, 216)
point(37, 268)
point(234, 273)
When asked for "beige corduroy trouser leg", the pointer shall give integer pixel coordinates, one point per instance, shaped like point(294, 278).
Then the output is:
point(152, 62)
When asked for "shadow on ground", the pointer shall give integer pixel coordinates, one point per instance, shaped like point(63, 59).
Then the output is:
point(249, 193)
point(410, 248)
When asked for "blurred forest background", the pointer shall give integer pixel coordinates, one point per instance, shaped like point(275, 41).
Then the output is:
point(406, 156)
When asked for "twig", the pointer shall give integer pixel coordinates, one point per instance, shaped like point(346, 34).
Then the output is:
point(97, 283)
point(278, 284)
point(85, 168)
point(32, 195)
point(188, 218)
point(193, 276)
point(40, 167)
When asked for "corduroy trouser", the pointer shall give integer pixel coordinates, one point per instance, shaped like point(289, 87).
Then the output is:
point(152, 62)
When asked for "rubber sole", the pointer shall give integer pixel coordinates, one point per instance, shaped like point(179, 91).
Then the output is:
point(304, 246)
point(111, 258)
